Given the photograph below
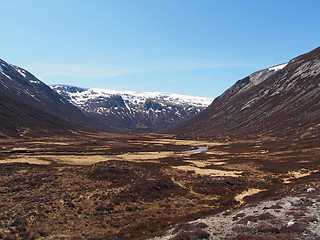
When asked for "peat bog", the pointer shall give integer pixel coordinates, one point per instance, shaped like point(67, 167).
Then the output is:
point(108, 186)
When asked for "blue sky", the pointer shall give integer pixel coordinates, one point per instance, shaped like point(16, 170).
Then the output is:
point(195, 47)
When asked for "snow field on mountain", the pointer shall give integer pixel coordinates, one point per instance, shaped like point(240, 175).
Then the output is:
point(136, 98)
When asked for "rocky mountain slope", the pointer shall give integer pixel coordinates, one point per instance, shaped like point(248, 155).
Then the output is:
point(134, 111)
point(281, 101)
point(28, 105)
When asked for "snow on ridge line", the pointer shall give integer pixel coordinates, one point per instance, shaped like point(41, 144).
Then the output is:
point(138, 96)
point(278, 67)
point(146, 94)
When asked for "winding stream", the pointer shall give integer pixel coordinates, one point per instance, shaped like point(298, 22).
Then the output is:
point(199, 149)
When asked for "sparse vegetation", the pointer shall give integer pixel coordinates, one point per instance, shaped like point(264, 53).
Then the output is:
point(127, 199)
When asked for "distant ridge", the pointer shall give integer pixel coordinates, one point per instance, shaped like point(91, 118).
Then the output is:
point(129, 111)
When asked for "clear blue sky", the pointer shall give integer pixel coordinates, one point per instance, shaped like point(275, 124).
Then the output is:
point(195, 47)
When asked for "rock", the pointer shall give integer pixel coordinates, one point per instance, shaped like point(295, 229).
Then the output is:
point(287, 205)
point(310, 190)
point(291, 223)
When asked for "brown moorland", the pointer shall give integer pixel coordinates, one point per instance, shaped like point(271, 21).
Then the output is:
point(88, 187)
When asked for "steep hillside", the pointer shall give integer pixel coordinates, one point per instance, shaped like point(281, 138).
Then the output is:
point(28, 105)
point(18, 119)
point(134, 111)
point(280, 101)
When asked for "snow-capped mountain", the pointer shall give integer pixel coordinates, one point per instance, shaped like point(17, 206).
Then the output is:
point(29, 105)
point(278, 101)
point(134, 111)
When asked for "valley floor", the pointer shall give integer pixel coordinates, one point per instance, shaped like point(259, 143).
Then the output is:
point(108, 186)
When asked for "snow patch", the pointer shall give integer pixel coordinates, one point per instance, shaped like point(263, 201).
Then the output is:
point(19, 70)
point(32, 81)
point(7, 75)
point(22, 73)
point(258, 77)
point(278, 67)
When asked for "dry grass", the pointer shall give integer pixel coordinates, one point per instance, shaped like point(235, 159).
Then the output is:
point(142, 156)
point(209, 172)
point(26, 159)
point(247, 193)
point(298, 174)
point(63, 159)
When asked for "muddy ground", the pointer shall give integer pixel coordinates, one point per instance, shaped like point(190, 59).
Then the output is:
point(106, 186)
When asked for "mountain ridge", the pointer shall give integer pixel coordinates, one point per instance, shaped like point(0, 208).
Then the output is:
point(30, 106)
point(283, 103)
point(134, 111)
point(78, 108)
